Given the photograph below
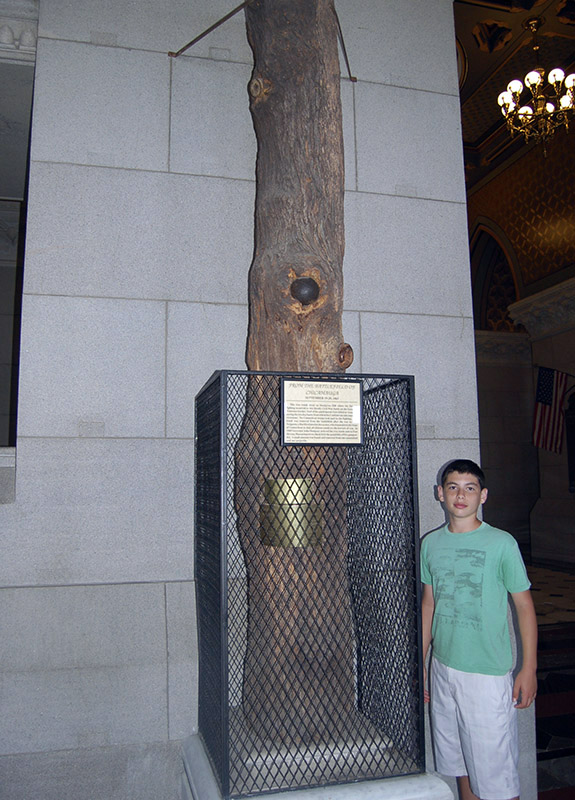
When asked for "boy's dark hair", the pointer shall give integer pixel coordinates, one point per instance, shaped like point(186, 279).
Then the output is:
point(462, 465)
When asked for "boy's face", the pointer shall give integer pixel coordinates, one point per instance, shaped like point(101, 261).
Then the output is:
point(462, 495)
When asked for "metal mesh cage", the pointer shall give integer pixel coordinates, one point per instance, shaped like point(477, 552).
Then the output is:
point(307, 590)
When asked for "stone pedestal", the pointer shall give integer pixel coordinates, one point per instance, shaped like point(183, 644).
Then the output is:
point(199, 783)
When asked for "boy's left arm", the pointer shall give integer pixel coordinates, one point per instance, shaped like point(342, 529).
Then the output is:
point(525, 687)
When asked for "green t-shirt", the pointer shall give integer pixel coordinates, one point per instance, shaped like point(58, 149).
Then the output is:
point(471, 574)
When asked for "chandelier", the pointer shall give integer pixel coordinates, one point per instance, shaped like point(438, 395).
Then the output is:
point(550, 104)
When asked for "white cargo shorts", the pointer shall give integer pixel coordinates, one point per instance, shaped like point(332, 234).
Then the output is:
point(474, 730)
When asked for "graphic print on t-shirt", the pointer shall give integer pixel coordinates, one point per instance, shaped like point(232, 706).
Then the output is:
point(459, 584)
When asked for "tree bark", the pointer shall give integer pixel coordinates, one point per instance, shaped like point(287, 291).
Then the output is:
point(299, 232)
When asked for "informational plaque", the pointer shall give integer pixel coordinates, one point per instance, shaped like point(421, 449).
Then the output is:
point(321, 412)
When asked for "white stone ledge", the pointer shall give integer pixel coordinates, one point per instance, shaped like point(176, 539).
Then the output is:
point(18, 30)
point(547, 313)
point(493, 347)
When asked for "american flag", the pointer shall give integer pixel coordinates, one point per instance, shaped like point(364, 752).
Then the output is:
point(549, 417)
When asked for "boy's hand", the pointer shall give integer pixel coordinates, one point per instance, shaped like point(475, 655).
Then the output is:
point(524, 688)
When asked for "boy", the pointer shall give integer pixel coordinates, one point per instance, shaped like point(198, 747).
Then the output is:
point(468, 568)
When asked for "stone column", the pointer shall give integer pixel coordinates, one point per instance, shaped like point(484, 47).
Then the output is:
point(549, 317)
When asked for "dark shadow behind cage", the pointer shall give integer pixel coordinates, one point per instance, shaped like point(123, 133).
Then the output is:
point(381, 735)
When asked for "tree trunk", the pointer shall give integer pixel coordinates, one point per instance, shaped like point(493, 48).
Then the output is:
point(298, 670)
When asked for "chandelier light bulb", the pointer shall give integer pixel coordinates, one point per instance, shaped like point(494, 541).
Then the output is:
point(556, 76)
point(525, 112)
point(566, 101)
point(549, 107)
point(570, 81)
point(533, 78)
point(515, 87)
point(505, 99)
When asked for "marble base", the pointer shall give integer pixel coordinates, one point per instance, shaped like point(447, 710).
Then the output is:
point(198, 783)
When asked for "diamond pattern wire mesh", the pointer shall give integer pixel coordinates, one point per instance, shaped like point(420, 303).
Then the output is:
point(306, 571)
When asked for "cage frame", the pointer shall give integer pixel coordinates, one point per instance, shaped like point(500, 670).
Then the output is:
point(217, 746)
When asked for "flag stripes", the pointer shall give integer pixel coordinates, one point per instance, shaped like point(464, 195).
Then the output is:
point(548, 419)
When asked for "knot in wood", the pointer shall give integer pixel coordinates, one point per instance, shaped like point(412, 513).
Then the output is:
point(345, 355)
point(259, 88)
point(305, 290)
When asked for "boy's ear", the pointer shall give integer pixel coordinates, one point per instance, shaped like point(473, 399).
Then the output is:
point(439, 491)
point(484, 494)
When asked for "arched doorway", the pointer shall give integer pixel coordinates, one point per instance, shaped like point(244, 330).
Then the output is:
point(494, 283)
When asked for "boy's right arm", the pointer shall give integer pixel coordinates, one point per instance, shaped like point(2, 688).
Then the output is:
point(427, 609)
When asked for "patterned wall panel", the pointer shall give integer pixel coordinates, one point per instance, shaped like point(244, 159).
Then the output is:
point(533, 202)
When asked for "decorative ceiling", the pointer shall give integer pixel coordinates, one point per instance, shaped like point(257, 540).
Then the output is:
point(523, 196)
point(493, 47)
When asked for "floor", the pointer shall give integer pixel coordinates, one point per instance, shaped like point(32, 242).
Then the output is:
point(553, 594)
point(554, 597)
